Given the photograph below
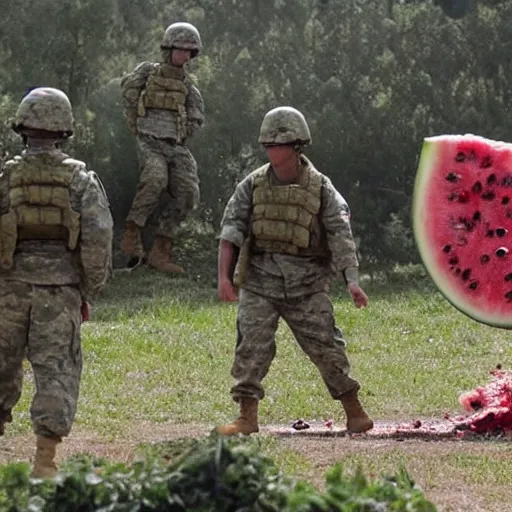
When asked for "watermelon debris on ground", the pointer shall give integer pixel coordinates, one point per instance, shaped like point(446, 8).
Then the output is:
point(491, 406)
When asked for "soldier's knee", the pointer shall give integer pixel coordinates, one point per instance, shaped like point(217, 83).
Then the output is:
point(155, 173)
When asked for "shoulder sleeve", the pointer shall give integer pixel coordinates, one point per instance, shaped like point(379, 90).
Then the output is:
point(195, 110)
point(336, 221)
point(133, 83)
point(237, 214)
point(96, 232)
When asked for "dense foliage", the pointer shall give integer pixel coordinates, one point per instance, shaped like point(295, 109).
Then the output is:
point(217, 475)
point(373, 79)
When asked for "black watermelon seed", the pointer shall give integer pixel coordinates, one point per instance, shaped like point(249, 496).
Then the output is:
point(508, 277)
point(460, 157)
point(505, 200)
point(506, 181)
point(491, 179)
point(485, 258)
point(490, 233)
point(465, 275)
point(486, 162)
point(453, 260)
point(477, 188)
point(451, 177)
point(447, 248)
point(473, 285)
point(508, 295)
point(501, 232)
point(488, 195)
point(477, 216)
point(501, 252)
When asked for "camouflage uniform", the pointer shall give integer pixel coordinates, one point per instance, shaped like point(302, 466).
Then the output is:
point(294, 288)
point(164, 109)
point(293, 239)
point(55, 255)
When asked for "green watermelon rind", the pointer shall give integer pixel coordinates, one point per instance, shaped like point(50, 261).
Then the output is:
point(428, 161)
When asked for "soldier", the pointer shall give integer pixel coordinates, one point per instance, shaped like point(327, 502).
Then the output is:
point(55, 256)
point(163, 109)
point(294, 232)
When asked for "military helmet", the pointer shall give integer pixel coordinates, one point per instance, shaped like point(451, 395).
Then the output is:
point(183, 36)
point(284, 125)
point(45, 108)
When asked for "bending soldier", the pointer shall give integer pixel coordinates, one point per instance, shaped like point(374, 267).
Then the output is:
point(298, 230)
point(55, 256)
point(163, 109)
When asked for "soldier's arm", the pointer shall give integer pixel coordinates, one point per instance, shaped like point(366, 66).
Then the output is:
point(131, 87)
point(336, 221)
point(96, 227)
point(237, 214)
point(195, 110)
point(234, 227)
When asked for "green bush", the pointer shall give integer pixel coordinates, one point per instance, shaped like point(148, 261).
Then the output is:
point(215, 474)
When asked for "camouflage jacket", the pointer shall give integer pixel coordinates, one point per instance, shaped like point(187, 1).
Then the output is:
point(285, 276)
point(45, 262)
point(160, 123)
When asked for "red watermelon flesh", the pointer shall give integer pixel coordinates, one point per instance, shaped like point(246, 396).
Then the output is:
point(492, 403)
point(462, 215)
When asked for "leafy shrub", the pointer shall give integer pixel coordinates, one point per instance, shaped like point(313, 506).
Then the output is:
point(213, 475)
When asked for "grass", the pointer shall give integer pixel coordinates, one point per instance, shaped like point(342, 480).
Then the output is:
point(160, 349)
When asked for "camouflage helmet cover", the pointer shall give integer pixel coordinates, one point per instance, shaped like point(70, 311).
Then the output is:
point(45, 108)
point(284, 125)
point(183, 36)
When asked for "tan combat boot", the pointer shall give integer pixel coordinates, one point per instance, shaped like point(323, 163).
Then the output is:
point(5, 417)
point(246, 423)
point(131, 244)
point(160, 256)
point(44, 464)
point(357, 419)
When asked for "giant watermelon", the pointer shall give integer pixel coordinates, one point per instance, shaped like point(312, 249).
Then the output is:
point(462, 217)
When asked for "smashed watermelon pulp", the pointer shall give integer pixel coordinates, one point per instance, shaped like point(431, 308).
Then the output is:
point(462, 217)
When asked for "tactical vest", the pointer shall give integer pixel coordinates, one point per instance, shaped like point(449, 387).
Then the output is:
point(285, 217)
point(165, 89)
point(39, 204)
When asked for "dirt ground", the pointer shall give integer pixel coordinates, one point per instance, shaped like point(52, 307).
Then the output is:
point(424, 445)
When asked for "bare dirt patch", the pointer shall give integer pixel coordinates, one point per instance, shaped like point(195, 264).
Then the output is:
point(426, 447)
point(121, 448)
point(431, 429)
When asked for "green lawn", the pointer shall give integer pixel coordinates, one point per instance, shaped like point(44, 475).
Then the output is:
point(160, 349)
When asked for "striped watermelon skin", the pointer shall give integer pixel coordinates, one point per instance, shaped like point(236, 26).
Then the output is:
point(462, 220)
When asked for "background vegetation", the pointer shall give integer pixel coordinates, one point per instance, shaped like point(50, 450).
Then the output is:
point(373, 79)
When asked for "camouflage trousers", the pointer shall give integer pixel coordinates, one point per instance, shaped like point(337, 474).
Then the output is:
point(41, 323)
point(169, 171)
point(311, 320)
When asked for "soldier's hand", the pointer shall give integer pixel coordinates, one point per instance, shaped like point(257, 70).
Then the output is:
point(226, 291)
point(358, 296)
point(85, 310)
